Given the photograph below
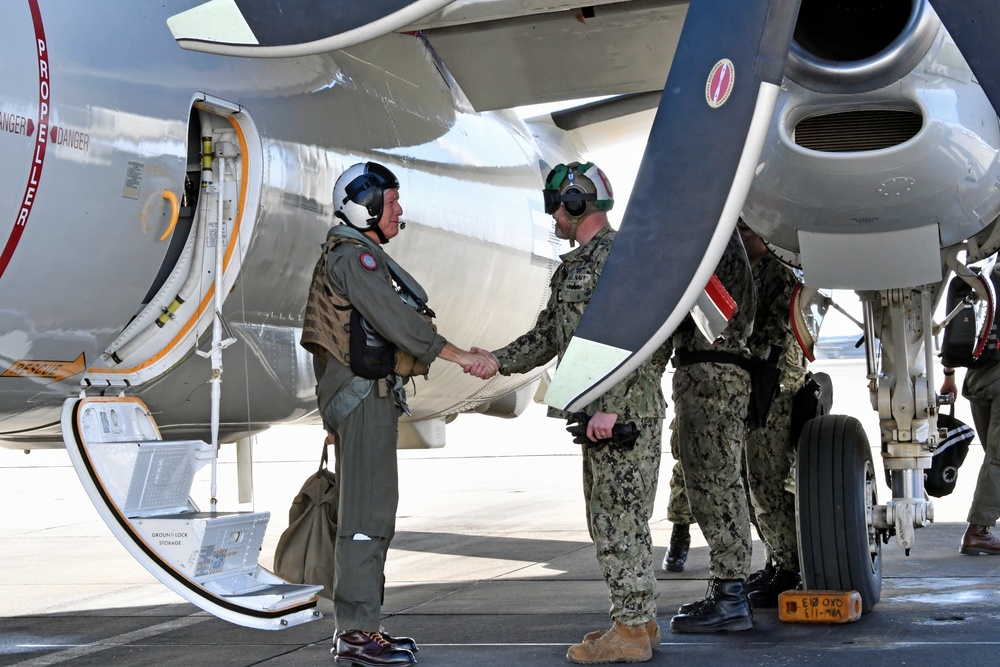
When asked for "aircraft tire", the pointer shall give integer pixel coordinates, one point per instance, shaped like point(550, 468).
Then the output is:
point(839, 549)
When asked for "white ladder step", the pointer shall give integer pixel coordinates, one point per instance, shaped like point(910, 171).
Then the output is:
point(206, 544)
point(141, 486)
point(262, 591)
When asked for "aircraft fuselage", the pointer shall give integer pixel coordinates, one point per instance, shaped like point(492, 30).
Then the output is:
point(102, 113)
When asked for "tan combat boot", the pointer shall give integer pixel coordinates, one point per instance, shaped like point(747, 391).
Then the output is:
point(652, 629)
point(622, 643)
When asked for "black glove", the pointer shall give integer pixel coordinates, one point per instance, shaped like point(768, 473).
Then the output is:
point(623, 436)
point(578, 428)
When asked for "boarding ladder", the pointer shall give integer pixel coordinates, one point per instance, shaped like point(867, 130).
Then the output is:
point(141, 486)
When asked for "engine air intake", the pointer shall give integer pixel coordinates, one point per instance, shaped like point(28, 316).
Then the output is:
point(856, 131)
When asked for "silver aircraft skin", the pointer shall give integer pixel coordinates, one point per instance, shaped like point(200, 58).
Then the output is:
point(867, 156)
point(102, 112)
point(879, 173)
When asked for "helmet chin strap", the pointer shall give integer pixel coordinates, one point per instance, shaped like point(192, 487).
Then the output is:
point(572, 231)
point(379, 233)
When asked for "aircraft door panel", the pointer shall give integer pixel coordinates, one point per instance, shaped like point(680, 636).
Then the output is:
point(222, 175)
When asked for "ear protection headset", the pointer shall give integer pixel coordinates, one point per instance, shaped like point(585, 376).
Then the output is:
point(579, 188)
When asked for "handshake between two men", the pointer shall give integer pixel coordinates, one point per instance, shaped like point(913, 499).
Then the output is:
point(600, 428)
point(483, 364)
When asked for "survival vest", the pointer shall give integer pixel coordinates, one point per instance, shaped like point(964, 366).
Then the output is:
point(327, 329)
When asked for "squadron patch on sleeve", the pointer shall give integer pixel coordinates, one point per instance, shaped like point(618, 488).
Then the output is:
point(368, 261)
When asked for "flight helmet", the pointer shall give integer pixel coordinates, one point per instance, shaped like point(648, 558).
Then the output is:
point(357, 195)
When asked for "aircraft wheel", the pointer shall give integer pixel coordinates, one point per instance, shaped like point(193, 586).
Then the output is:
point(839, 548)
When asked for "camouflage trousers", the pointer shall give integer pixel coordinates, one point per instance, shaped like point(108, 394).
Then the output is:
point(768, 461)
point(619, 488)
point(710, 408)
point(678, 507)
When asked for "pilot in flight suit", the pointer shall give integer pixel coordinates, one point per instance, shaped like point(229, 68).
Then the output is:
point(366, 319)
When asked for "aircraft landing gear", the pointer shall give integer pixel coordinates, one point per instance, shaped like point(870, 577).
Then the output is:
point(839, 546)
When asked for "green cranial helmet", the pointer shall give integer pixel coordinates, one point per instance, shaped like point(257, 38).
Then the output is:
point(581, 189)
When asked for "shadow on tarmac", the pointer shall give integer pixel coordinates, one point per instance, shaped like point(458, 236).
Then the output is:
point(937, 608)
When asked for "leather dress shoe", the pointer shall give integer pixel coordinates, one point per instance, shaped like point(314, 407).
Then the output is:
point(978, 541)
point(677, 552)
point(766, 596)
point(370, 649)
point(725, 609)
point(408, 643)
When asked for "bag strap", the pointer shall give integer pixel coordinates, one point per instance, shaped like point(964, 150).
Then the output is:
point(324, 460)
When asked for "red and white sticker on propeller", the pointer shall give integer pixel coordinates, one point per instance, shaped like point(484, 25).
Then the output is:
point(720, 83)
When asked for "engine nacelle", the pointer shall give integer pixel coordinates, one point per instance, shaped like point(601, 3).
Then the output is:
point(880, 152)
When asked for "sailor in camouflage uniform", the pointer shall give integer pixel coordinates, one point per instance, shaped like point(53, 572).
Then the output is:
point(619, 483)
point(770, 450)
point(711, 393)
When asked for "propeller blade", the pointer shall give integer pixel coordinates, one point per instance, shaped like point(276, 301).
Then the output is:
point(974, 25)
point(694, 176)
point(273, 29)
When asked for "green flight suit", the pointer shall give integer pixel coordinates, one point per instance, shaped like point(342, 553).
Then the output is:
point(365, 416)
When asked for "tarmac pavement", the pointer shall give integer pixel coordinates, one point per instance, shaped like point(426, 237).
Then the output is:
point(491, 566)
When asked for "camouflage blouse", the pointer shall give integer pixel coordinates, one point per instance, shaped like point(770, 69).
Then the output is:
point(639, 395)
point(772, 324)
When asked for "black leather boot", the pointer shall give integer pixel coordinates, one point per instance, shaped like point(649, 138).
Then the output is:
point(766, 596)
point(707, 601)
point(680, 543)
point(370, 649)
point(691, 607)
point(760, 578)
point(725, 609)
